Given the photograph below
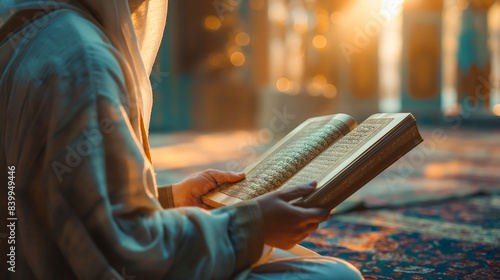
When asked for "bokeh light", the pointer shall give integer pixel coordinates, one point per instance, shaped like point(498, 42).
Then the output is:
point(329, 91)
point(212, 23)
point(319, 41)
point(337, 18)
point(496, 109)
point(237, 58)
point(319, 79)
point(283, 85)
point(242, 39)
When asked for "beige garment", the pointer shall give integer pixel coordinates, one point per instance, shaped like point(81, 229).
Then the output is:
point(300, 263)
point(85, 190)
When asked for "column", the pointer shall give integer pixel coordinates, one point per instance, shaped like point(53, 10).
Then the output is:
point(421, 59)
point(360, 23)
point(474, 59)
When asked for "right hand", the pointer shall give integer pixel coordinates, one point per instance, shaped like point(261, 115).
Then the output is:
point(285, 224)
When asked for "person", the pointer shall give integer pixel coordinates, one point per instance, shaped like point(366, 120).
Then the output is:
point(76, 102)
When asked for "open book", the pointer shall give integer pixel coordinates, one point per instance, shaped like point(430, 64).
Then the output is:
point(332, 150)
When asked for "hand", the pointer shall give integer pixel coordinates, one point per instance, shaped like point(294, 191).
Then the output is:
point(189, 191)
point(285, 224)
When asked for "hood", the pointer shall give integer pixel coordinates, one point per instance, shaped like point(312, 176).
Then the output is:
point(135, 26)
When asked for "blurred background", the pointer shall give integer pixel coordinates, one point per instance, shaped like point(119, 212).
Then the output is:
point(229, 64)
point(232, 76)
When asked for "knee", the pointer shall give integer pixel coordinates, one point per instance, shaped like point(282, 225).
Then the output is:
point(307, 268)
point(334, 268)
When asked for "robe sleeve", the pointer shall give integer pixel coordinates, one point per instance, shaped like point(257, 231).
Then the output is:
point(166, 196)
point(103, 211)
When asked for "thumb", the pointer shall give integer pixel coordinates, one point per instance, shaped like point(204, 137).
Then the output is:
point(225, 176)
point(298, 191)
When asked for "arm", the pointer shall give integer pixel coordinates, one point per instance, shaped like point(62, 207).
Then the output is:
point(101, 196)
point(111, 195)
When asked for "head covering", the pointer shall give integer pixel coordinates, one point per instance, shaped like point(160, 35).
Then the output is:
point(136, 28)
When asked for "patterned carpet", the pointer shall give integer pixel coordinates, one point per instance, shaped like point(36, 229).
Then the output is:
point(453, 239)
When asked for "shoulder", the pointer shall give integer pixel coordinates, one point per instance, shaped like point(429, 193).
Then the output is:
point(68, 67)
point(73, 52)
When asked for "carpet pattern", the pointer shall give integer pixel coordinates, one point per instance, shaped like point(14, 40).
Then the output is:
point(454, 239)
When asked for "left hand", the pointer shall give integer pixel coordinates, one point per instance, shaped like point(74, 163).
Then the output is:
point(189, 191)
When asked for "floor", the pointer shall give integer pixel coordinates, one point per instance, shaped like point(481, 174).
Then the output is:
point(435, 214)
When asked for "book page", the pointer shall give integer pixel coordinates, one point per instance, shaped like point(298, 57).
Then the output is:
point(338, 153)
point(371, 166)
point(287, 159)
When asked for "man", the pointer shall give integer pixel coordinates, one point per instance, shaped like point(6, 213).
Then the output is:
point(76, 104)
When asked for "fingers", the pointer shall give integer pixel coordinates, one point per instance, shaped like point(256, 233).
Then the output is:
point(225, 176)
point(206, 207)
point(315, 215)
point(311, 227)
point(296, 192)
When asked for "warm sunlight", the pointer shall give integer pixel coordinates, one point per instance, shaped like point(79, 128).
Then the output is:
point(391, 8)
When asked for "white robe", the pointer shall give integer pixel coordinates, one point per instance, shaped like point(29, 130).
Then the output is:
point(86, 197)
